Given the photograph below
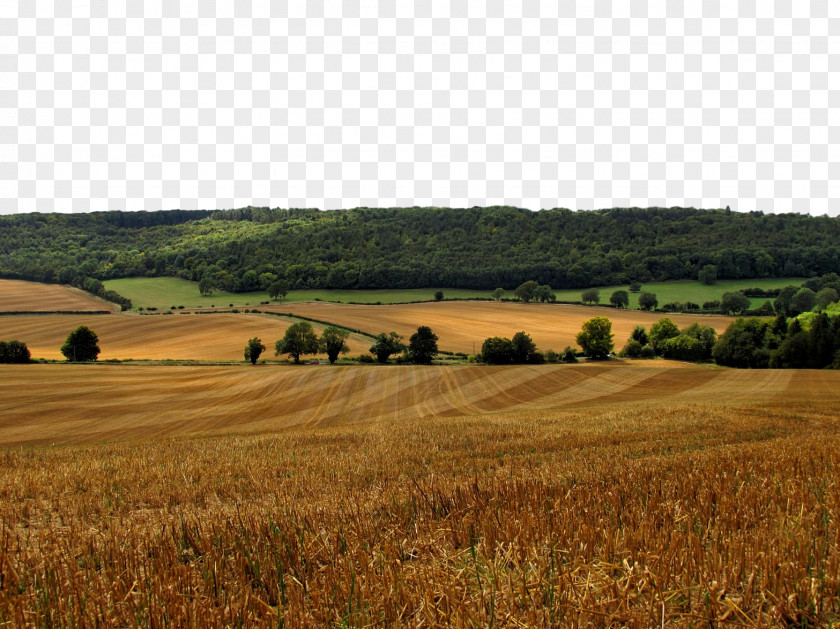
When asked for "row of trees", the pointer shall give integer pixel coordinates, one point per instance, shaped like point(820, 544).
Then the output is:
point(14, 352)
point(479, 248)
point(300, 339)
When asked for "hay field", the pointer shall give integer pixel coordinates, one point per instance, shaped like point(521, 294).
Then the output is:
point(21, 296)
point(577, 495)
point(464, 325)
point(211, 337)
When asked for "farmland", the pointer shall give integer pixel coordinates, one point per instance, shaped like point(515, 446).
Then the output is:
point(604, 494)
point(216, 337)
point(20, 296)
point(463, 326)
point(164, 292)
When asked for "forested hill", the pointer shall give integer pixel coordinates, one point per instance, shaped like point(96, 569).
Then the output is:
point(481, 248)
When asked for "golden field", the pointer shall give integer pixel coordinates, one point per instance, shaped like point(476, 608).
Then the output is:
point(463, 325)
point(556, 495)
point(620, 493)
point(210, 337)
point(21, 296)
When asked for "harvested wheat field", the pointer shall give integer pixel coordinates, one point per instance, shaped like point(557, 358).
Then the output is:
point(574, 495)
point(20, 296)
point(211, 337)
point(462, 325)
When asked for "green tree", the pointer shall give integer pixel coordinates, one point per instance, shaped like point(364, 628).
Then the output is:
point(782, 303)
point(591, 296)
point(827, 296)
point(648, 301)
point(497, 294)
point(386, 345)
point(299, 339)
point(438, 295)
point(278, 288)
point(206, 285)
point(14, 352)
point(544, 294)
point(422, 346)
point(497, 350)
point(620, 299)
point(734, 303)
point(267, 279)
point(569, 355)
point(660, 331)
point(639, 335)
point(525, 291)
point(596, 338)
point(708, 275)
point(635, 287)
point(334, 342)
point(743, 344)
point(253, 350)
point(81, 345)
point(524, 348)
point(803, 301)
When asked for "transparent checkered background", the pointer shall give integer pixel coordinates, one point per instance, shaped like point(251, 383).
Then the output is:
point(114, 105)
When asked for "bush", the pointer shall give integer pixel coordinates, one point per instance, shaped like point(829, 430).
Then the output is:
point(648, 301)
point(364, 359)
point(14, 352)
point(552, 357)
point(711, 305)
point(569, 355)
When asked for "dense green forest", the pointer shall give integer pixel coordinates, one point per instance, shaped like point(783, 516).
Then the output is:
point(480, 248)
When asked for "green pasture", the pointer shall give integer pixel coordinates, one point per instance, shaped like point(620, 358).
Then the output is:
point(165, 292)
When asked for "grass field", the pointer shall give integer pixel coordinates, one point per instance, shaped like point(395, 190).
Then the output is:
point(577, 495)
point(668, 292)
point(213, 337)
point(463, 326)
point(164, 292)
point(20, 296)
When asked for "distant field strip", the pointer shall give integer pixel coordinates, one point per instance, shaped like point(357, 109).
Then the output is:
point(463, 326)
point(210, 337)
point(80, 403)
point(20, 296)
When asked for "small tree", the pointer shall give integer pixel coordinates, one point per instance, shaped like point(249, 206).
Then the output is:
point(334, 342)
point(827, 296)
point(81, 345)
point(640, 335)
point(278, 288)
point(496, 295)
point(620, 299)
point(14, 352)
point(497, 350)
point(422, 346)
point(734, 302)
point(206, 285)
point(525, 291)
point(524, 348)
point(253, 350)
point(438, 295)
point(596, 338)
point(661, 331)
point(299, 339)
point(635, 287)
point(708, 275)
point(544, 294)
point(648, 301)
point(385, 345)
point(591, 296)
point(803, 301)
point(569, 355)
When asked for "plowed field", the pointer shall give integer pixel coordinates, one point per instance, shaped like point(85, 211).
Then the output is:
point(68, 403)
point(462, 326)
point(157, 337)
point(20, 296)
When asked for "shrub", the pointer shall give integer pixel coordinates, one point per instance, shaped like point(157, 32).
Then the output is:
point(569, 355)
point(364, 359)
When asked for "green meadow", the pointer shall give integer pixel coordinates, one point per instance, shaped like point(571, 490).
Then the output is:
point(164, 292)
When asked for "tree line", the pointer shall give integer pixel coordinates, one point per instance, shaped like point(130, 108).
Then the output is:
point(367, 248)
